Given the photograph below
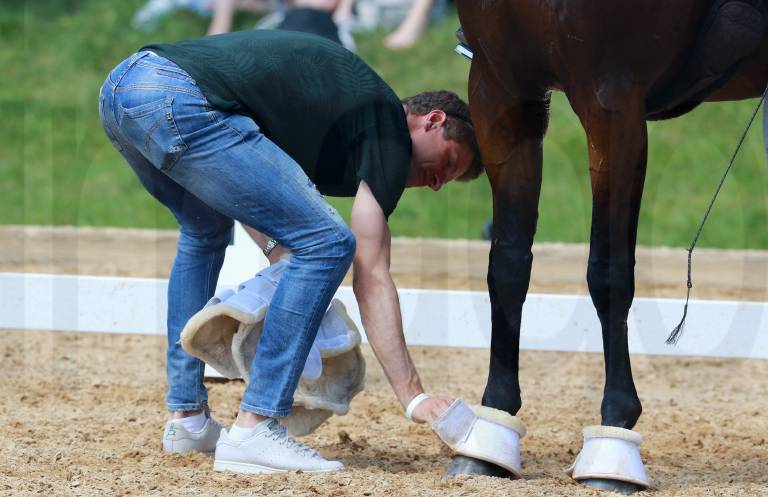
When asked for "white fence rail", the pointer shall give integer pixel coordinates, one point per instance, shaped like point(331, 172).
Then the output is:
point(31, 301)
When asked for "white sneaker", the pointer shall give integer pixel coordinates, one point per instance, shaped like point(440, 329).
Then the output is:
point(269, 449)
point(176, 438)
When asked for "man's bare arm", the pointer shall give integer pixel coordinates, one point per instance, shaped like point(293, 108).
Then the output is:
point(380, 307)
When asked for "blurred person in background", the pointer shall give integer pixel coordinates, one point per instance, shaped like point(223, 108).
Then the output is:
point(223, 12)
point(306, 16)
point(410, 28)
point(150, 14)
point(333, 19)
point(413, 26)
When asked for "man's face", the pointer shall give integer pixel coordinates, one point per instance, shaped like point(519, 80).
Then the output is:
point(435, 159)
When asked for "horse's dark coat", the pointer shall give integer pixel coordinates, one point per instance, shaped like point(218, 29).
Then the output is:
point(610, 58)
point(732, 31)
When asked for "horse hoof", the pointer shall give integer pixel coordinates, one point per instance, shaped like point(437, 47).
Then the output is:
point(621, 487)
point(469, 466)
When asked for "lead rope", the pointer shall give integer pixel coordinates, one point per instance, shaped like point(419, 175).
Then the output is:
point(678, 331)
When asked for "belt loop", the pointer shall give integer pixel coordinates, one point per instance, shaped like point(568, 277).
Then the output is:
point(116, 77)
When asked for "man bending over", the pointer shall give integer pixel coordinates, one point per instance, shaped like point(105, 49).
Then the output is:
point(257, 126)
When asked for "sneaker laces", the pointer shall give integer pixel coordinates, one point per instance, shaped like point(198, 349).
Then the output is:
point(280, 433)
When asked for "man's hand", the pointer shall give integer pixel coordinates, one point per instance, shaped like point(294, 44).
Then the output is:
point(429, 410)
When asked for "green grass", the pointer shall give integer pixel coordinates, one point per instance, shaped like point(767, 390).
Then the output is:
point(57, 167)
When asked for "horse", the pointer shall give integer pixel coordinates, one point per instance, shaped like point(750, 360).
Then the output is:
point(620, 63)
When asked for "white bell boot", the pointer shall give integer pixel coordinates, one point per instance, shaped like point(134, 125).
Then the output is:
point(328, 388)
point(226, 333)
point(333, 374)
point(482, 433)
point(210, 333)
point(610, 453)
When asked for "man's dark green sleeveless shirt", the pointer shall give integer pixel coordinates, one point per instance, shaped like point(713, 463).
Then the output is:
point(317, 101)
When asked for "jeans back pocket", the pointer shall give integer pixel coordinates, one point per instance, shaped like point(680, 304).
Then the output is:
point(151, 128)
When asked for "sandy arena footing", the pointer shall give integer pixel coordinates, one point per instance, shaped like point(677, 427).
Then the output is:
point(82, 413)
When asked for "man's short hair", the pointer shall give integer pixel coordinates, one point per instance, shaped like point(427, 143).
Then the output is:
point(458, 124)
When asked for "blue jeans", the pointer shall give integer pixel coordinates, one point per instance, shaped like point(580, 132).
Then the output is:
point(210, 167)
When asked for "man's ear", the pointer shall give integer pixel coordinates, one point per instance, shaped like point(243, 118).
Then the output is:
point(435, 118)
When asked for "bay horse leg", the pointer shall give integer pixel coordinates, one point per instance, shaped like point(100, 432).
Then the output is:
point(510, 122)
point(617, 136)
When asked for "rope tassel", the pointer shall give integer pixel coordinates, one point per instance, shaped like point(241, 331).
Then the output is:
point(678, 331)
